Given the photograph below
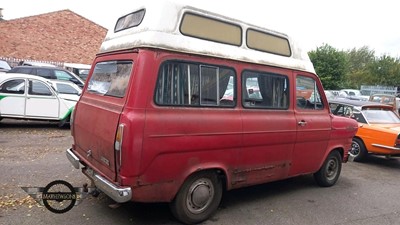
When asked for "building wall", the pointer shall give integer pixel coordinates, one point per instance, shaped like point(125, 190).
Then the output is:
point(61, 36)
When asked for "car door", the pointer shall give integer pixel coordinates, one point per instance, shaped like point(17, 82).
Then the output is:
point(12, 97)
point(269, 129)
point(41, 101)
point(313, 125)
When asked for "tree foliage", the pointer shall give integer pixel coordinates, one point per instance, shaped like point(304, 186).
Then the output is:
point(330, 65)
point(355, 67)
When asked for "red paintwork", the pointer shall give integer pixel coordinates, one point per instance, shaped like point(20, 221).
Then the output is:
point(162, 146)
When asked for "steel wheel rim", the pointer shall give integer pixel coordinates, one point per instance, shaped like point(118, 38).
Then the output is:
point(200, 195)
point(332, 169)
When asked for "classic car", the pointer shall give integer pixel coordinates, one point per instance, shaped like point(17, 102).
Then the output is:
point(379, 127)
point(32, 97)
point(387, 99)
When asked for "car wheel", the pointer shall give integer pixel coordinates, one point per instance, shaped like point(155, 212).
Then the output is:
point(198, 198)
point(358, 150)
point(329, 172)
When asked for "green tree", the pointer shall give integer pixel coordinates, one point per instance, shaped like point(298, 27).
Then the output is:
point(386, 71)
point(358, 71)
point(330, 65)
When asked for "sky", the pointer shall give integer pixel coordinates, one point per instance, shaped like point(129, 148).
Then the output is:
point(342, 24)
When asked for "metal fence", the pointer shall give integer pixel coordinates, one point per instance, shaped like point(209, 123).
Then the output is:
point(370, 90)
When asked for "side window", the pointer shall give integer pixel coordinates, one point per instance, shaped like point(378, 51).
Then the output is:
point(357, 115)
point(265, 90)
point(189, 84)
point(39, 88)
point(62, 75)
point(46, 73)
point(66, 89)
point(307, 94)
point(22, 70)
point(13, 87)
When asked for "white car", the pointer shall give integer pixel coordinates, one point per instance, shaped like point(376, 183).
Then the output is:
point(353, 94)
point(32, 97)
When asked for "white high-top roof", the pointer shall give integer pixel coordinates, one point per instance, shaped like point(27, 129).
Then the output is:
point(160, 29)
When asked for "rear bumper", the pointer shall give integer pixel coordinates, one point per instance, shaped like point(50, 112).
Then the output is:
point(117, 193)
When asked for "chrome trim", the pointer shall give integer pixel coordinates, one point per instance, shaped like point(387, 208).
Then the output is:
point(384, 146)
point(118, 194)
point(73, 158)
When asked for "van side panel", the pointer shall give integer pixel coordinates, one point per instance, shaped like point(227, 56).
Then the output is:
point(180, 141)
point(268, 141)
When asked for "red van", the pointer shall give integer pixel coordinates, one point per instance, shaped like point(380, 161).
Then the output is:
point(182, 104)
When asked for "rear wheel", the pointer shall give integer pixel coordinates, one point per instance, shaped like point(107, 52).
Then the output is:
point(198, 198)
point(358, 150)
point(329, 172)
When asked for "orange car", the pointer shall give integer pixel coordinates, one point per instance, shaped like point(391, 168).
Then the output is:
point(379, 127)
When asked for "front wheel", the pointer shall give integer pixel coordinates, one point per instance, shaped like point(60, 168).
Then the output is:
point(198, 198)
point(358, 150)
point(329, 172)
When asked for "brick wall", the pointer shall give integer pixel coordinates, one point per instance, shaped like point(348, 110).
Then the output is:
point(61, 36)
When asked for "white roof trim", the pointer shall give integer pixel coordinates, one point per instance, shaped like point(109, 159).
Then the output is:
point(160, 29)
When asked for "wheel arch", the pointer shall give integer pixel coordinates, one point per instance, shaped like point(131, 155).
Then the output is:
point(220, 171)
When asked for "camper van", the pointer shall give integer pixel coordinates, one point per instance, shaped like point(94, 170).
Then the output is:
point(182, 104)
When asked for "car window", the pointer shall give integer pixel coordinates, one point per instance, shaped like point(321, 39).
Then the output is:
point(265, 90)
point(66, 89)
point(16, 86)
point(46, 73)
point(193, 84)
point(38, 88)
point(62, 75)
point(110, 78)
point(380, 115)
point(357, 115)
point(307, 94)
point(22, 70)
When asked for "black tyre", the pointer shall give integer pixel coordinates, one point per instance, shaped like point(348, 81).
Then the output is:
point(329, 172)
point(198, 198)
point(358, 150)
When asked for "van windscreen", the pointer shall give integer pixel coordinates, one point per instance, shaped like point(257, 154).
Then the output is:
point(110, 78)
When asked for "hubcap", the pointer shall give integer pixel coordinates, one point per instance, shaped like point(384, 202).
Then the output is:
point(200, 196)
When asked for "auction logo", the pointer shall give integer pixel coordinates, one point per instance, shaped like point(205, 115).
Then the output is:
point(58, 196)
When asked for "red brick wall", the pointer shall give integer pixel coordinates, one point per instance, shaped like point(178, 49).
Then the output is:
point(61, 36)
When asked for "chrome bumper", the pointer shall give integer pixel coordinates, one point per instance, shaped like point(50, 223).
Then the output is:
point(118, 194)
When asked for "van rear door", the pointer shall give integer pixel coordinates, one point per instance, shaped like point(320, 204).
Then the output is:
point(98, 111)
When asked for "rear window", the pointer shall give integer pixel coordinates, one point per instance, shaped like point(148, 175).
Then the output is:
point(110, 78)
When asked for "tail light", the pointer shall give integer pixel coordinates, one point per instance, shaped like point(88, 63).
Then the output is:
point(118, 144)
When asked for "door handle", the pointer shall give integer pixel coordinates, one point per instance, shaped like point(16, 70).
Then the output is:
point(302, 123)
